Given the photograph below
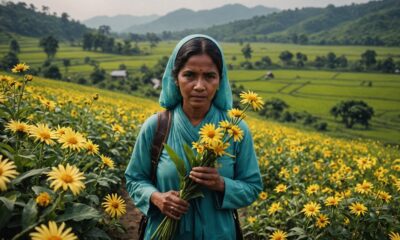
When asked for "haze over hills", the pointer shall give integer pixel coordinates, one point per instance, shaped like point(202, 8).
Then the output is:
point(372, 23)
point(188, 19)
point(119, 22)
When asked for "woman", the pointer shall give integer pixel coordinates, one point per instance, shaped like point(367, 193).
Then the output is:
point(196, 90)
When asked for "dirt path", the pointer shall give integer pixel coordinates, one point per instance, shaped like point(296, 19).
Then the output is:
point(130, 220)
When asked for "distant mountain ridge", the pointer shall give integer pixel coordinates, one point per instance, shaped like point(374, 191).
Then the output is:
point(119, 22)
point(372, 23)
point(182, 19)
point(28, 21)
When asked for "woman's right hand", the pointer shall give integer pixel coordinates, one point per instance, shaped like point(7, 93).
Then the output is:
point(170, 204)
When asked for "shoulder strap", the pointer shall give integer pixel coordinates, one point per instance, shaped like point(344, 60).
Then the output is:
point(160, 137)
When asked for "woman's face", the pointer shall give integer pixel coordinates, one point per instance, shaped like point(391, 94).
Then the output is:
point(198, 81)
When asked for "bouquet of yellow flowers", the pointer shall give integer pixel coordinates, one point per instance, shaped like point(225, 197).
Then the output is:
point(212, 144)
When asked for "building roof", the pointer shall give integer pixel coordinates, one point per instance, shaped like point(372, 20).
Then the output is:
point(118, 73)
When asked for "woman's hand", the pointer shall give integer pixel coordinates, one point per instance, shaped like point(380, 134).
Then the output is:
point(208, 177)
point(170, 204)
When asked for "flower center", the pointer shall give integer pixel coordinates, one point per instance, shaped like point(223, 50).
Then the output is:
point(45, 135)
point(73, 140)
point(54, 238)
point(115, 205)
point(211, 134)
point(67, 178)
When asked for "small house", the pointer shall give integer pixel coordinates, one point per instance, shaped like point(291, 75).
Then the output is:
point(119, 74)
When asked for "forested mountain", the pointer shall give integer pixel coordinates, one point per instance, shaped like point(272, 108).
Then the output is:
point(372, 23)
point(27, 20)
point(188, 19)
point(119, 22)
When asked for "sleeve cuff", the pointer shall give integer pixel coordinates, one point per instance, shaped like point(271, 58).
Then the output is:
point(224, 199)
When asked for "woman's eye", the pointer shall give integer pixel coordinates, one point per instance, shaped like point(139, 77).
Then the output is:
point(210, 76)
point(188, 75)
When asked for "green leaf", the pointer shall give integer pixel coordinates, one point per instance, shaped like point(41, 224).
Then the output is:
point(9, 204)
point(189, 155)
point(179, 163)
point(29, 214)
point(28, 174)
point(97, 233)
point(38, 189)
point(5, 215)
point(79, 212)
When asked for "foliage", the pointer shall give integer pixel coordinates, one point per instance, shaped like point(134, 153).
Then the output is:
point(352, 112)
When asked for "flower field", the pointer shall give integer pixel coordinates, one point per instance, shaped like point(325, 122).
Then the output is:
point(64, 149)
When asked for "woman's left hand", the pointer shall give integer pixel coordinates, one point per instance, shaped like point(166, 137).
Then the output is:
point(208, 177)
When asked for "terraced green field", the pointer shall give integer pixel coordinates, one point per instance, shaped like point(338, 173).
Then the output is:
point(304, 90)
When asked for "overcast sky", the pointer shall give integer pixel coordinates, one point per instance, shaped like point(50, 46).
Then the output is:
point(84, 9)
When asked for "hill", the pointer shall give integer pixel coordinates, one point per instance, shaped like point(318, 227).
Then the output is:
point(119, 22)
point(28, 21)
point(372, 23)
point(188, 19)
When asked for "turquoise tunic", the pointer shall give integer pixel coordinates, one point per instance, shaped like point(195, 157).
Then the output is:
point(209, 217)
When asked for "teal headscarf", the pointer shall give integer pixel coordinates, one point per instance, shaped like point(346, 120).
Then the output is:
point(170, 95)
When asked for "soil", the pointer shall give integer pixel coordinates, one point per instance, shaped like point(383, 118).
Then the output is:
point(130, 220)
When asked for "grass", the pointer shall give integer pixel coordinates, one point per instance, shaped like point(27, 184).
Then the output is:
point(313, 91)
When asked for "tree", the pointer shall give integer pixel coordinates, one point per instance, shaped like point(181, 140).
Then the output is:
point(49, 45)
point(342, 61)
point(368, 58)
point(303, 39)
point(14, 46)
point(88, 40)
point(247, 51)
point(66, 63)
point(64, 17)
point(319, 61)
point(52, 71)
point(104, 30)
point(273, 108)
point(98, 74)
point(352, 112)
point(286, 57)
point(153, 39)
point(301, 58)
point(388, 65)
point(331, 60)
point(9, 60)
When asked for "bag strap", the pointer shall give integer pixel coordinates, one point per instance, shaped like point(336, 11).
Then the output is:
point(160, 137)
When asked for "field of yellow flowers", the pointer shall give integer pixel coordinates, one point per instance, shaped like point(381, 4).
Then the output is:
point(64, 149)
point(63, 152)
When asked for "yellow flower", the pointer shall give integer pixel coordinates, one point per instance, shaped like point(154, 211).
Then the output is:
point(66, 177)
point(281, 188)
point(358, 208)
point(7, 172)
point(346, 221)
point(279, 150)
point(263, 195)
point(394, 236)
point(225, 125)
point(278, 235)
point(91, 147)
point(253, 99)
point(275, 207)
point(17, 126)
point(236, 113)
point(236, 132)
point(384, 196)
point(313, 188)
point(43, 199)
point(209, 134)
point(364, 188)
point(118, 128)
point(198, 146)
point(251, 219)
point(114, 205)
point(332, 201)
point(62, 130)
point(296, 169)
point(311, 209)
point(107, 161)
point(28, 77)
point(20, 67)
point(41, 132)
point(322, 221)
point(53, 232)
point(72, 140)
point(219, 147)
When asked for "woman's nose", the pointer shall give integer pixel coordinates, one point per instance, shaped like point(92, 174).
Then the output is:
point(199, 86)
